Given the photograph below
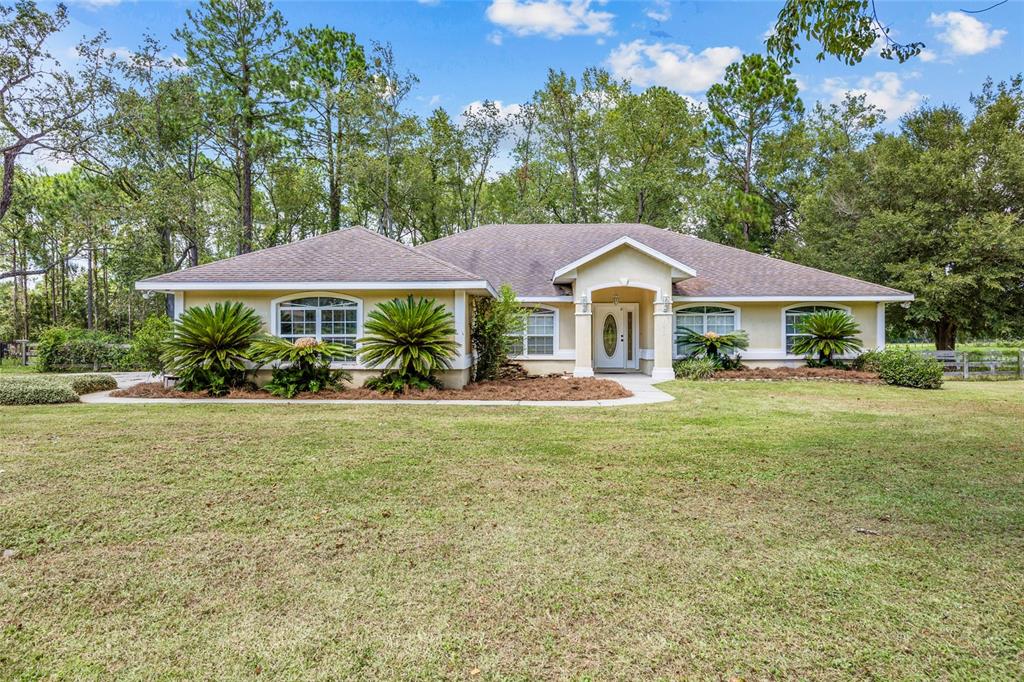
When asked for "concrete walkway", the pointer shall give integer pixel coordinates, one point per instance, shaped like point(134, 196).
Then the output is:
point(643, 389)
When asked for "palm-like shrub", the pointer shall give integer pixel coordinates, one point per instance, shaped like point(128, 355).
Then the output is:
point(826, 334)
point(409, 338)
point(304, 365)
point(713, 345)
point(209, 346)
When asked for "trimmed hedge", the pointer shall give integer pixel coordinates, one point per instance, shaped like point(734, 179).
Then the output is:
point(66, 348)
point(35, 389)
point(906, 368)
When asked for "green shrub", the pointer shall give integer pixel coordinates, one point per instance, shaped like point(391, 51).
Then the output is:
point(410, 339)
point(209, 346)
point(393, 382)
point(15, 391)
point(906, 368)
point(37, 389)
point(147, 345)
point(304, 365)
point(695, 368)
point(868, 361)
point(494, 321)
point(63, 348)
point(89, 383)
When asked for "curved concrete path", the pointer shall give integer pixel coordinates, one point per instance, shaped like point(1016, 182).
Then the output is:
point(643, 389)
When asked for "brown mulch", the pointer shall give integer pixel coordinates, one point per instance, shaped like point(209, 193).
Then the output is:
point(797, 374)
point(533, 388)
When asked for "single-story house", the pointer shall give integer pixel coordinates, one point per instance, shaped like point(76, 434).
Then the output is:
point(604, 297)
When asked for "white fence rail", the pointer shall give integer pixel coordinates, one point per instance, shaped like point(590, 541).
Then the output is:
point(989, 364)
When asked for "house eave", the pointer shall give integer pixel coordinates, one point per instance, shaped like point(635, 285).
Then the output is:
point(877, 298)
point(424, 285)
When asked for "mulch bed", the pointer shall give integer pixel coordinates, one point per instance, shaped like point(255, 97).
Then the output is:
point(798, 374)
point(533, 388)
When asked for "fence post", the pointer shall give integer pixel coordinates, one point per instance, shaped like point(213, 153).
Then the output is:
point(1020, 363)
point(967, 365)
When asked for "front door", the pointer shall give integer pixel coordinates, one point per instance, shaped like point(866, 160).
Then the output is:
point(615, 337)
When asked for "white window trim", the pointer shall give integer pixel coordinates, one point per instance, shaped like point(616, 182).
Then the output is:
point(526, 355)
point(710, 304)
point(275, 318)
point(818, 304)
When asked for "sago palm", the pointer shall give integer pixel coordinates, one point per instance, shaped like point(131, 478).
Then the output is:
point(302, 365)
point(712, 345)
point(825, 334)
point(413, 338)
point(209, 345)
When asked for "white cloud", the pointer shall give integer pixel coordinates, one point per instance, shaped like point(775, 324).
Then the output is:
point(927, 55)
point(429, 2)
point(550, 18)
point(671, 65)
point(660, 10)
point(966, 35)
point(883, 90)
point(495, 37)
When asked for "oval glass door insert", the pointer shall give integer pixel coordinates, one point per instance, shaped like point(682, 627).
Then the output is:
point(610, 335)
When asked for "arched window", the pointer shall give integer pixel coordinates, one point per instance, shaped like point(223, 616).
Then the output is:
point(539, 337)
point(702, 319)
point(793, 318)
point(326, 318)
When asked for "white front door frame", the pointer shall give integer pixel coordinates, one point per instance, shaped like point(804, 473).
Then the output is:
point(627, 348)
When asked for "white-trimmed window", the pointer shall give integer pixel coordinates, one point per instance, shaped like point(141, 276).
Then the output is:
point(325, 318)
point(702, 319)
point(539, 337)
point(796, 315)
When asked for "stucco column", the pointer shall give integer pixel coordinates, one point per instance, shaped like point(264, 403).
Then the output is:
point(584, 342)
point(662, 342)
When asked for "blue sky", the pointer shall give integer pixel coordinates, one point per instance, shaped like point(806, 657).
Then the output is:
point(465, 51)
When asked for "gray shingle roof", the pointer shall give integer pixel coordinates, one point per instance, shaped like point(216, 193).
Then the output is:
point(526, 256)
point(354, 254)
point(523, 256)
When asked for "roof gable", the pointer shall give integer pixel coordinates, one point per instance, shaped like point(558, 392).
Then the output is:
point(567, 272)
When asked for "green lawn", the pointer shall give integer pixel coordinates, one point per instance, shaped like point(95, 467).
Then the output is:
point(14, 366)
point(715, 536)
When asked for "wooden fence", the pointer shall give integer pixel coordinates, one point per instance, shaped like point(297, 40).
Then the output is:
point(989, 364)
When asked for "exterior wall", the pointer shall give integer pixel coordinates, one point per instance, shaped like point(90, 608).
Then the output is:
point(545, 367)
point(457, 377)
point(625, 267)
point(764, 324)
point(634, 277)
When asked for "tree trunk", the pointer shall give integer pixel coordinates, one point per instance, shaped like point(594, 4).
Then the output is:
point(90, 291)
point(945, 334)
point(245, 241)
point(333, 188)
point(7, 193)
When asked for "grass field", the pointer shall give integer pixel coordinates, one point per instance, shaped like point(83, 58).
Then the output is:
point(748, 530)
point(1003, 346)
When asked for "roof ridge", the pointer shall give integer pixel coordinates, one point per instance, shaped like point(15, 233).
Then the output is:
point(331, 233)
point(789, 262)
point(424, 255)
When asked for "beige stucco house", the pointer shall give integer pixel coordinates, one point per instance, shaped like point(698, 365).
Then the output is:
point(604, 297)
